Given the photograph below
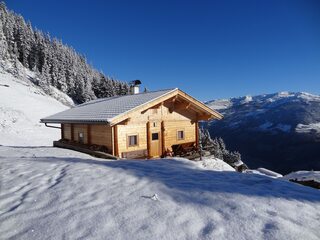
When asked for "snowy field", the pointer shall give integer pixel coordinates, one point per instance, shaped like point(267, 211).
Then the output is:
point(49, 193)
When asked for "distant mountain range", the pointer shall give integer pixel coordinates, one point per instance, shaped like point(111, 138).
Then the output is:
point(278, 131)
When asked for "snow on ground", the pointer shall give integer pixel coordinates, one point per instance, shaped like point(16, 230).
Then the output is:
point(264, 172)
point(219, 104)
point(212, 163)
point(60, 194)
point(308, 128)
point(22, 104)
point(304, 176)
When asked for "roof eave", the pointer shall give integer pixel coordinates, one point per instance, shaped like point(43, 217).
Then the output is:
point(59, 121)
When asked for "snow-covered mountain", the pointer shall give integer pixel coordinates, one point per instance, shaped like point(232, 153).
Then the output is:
point(279, 131)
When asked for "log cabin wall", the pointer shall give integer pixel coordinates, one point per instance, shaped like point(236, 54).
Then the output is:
point(163, 117)
point(172, 120)
point(80, 128)
point(96, 133)
point(171, 133)
point(123, 133)
point(101, 135)
point(66, 131)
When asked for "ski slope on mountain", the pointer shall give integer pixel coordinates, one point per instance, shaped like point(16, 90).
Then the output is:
point(22, 104)
point(60, 194)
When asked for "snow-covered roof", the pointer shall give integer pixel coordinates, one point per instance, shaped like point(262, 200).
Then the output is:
point(104, 109)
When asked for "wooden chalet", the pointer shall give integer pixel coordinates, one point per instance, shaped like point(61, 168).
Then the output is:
point(139, 125)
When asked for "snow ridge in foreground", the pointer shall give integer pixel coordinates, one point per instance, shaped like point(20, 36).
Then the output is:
point(59, 194)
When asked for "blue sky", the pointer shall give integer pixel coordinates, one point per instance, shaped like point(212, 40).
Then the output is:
point(210, 49)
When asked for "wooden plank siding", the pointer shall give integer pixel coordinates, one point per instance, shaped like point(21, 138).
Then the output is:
point(66, 131)
point(93, 134)
point(123, 133)
point(101, 135)
point(171, 132)
point(155, 119)
point(77, 128)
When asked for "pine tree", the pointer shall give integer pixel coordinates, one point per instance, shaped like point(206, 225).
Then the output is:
point(54, 63)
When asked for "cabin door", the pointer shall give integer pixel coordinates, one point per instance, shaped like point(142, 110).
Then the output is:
point(154, 139)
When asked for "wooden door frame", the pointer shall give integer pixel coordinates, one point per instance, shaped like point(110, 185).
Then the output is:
point(149, 139)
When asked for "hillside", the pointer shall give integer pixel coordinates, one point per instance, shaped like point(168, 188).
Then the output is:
point(279, 131)
point(22, 104)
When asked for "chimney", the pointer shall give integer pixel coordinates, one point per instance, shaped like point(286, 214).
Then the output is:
point(134, 86)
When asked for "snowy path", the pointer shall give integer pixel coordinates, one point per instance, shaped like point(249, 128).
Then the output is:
point(49, 193)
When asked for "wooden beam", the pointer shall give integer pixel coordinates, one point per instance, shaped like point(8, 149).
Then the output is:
point(62, 131)
point(89, 133)
point(200, 105)
point(197, 134)
point(124, 122)
point(72, 131)
point(115, 141)
point(174, 99)
point(182, 106)
point(148, 139)
point(112, 141)
point(163, 141)
point(157, 106)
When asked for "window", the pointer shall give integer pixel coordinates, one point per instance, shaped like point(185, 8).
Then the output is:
point(154, 124)
point(132, 140)
point(155, 136)
point(80, 137)
point(180, 135)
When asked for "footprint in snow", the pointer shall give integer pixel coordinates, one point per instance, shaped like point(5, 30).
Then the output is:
point(154, 197)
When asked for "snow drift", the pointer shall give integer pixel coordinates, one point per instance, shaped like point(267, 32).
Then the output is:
point(61, 194)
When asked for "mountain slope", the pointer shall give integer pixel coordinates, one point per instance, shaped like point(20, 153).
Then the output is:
point(279, 131)
point(22, 104)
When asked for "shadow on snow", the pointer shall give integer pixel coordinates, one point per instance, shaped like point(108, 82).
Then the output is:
point(182, 178)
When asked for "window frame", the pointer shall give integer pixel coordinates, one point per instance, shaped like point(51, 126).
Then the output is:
point(81, 139)
point(158, 134)
point(128, 140)
point(183, 134)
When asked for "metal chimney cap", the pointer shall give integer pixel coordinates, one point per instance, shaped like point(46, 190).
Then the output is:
point(135, 82)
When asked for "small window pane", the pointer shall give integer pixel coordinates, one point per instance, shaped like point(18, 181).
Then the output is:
point(133, 140)
point(80, 137)
point(155, 136)
point(180, 135)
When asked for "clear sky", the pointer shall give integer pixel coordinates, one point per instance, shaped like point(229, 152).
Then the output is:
point(210, 49)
